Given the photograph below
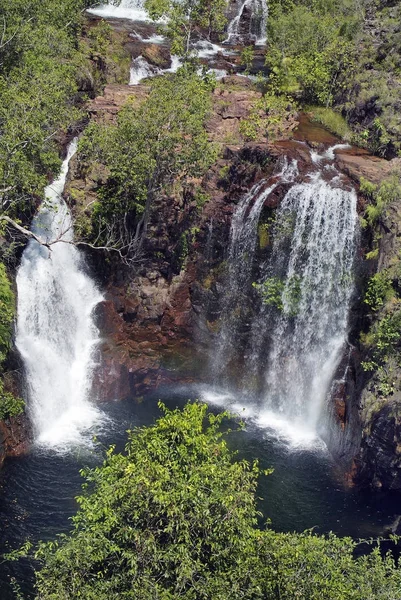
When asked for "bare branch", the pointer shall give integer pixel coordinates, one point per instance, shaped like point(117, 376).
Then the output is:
point(29, 234)
point(112, 238)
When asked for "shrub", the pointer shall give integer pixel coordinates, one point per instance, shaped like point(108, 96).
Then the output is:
point(379, 290)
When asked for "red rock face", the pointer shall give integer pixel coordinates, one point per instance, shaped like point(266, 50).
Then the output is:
point(15, 437)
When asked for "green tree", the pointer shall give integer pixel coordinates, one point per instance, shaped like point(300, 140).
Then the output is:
point(311, 47)
point(9, 404)
point(154, 146)
point(185, 16)
point(175, 517)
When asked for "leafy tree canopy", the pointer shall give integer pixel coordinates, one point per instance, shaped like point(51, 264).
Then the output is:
point(154, 145)
point(184, 16)
point(312, 43)
point(40, 63)
point(176, 517)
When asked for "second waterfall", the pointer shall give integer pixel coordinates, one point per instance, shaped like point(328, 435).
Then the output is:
point(297, 324)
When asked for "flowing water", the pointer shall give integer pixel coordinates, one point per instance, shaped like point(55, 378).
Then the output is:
point(257, 25)
point(37, 491)
point(297, 333)
point(56, 334)
point(57, 338)
point(312, 259)
point(242, 244)
point(294, 349)
point(133, 10)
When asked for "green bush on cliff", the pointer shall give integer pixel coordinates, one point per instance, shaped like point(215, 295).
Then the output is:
point(154, 148)
point(175, 517)
point(9, 405)
point(380, 196)
point(379, 290)
point(7, 310)
point(310, 46)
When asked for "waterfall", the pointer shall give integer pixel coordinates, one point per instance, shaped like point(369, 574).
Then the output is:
point(133, 10)
point(312, 264)
point(242, 244)
point(258, 22)
point(56, 335)
point(277, 359)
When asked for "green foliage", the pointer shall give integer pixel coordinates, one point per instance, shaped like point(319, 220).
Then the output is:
point(38, 83)
point(380, 196)
point(310, 567)
point(375, 86)
point(310, 47)
point(201, 197)
point(383, 340)
point(102, 47)
point(284, 295)
point(7, 311)
point(153, 146)
point(9, 405)
point(175, 517)
point(367, 188)
point(271, 291)
point(247, 57)
point(379, 290)
point(332, 121)
point(184, 16)
point(268, 117)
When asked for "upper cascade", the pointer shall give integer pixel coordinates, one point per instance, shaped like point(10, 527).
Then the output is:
point(56, 334)
point(127, 9)
point(249, 22)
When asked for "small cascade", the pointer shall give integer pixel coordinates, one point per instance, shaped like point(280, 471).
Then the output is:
point(141, 69)
point(56, 335)
point(133, 10)
point(311, 267)
point(256, 30)
point(242, 244)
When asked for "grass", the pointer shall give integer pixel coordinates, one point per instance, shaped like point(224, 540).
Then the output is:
point(332, 121)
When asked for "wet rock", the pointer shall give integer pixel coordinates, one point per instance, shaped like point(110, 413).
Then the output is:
point(359, 164)
point(15, 437)
point(157, 55)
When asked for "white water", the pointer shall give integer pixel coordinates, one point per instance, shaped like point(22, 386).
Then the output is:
point(313, 255)
point(56, 335)
point(293, 351)
point(242, 244)
point(153, 39)
point(329, 154)
point(259, 12)
point(128, 9)
point(141, 69)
